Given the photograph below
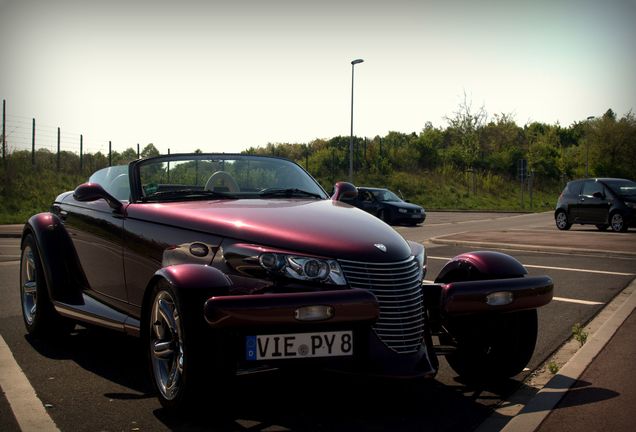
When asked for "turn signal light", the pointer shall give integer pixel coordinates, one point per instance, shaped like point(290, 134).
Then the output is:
point(499, 298)
point(314, 313)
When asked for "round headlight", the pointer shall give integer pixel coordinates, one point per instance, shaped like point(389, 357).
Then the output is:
point(270, 261)
point(316, 269)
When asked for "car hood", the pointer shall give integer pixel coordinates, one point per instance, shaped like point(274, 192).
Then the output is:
point(318, 227)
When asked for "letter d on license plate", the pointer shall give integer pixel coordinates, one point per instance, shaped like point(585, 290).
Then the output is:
point(294, 345)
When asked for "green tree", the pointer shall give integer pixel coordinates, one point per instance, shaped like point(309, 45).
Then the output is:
point(149, 151)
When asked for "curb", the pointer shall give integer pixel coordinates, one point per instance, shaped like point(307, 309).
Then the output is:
point(531, 248)
point(539, 407)
point(11, 230)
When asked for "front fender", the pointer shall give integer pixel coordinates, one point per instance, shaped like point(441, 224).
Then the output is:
point(195, 281)
point(462, 298)
point(57, 255)
point(484, 281)
point(480, 265)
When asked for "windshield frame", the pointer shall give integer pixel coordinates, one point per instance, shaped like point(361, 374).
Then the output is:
point(136, 192)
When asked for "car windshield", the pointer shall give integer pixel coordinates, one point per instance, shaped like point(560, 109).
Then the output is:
point(385, 195)
point(213, 176)
point(623, 187)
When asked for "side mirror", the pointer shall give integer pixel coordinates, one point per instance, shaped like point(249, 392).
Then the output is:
point(343, 191)
point(598, 195)
point(89, 192)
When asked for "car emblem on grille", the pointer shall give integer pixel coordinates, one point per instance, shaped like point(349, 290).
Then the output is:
point(380, 246)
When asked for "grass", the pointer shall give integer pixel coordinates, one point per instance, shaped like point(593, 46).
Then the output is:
point(26, 190)
point(579, 333)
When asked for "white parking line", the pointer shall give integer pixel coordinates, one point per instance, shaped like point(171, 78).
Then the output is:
point(558, 268)
point(580, 270)
point(583, 302)
point(27, 408)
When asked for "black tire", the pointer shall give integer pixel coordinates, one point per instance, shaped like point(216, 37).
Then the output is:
point(38, 313)
point(180, 348)
point(492, 346)
point(561, 220)
point(617, 222)
point(602, 227)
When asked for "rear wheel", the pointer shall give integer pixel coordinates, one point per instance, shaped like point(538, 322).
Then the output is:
point(40, 317)
point(617, 222)
point(491, 346)
point(561, 220)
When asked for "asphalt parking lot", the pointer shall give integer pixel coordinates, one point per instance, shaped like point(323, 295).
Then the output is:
point(95, 380)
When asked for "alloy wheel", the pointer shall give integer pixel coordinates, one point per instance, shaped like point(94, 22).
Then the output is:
point(29, 285)
point(562, 220)
point(617, 222)
point(166, 345)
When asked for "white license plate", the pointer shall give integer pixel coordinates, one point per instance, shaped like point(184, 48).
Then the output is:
point(415, 216)
point(295, 345)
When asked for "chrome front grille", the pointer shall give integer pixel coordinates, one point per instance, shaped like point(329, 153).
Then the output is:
point(398, 288)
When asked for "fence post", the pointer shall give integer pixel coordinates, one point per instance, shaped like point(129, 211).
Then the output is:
point(110, 153)
point(4, 130)
point(137, 150)
point(58, 149)
point(81, 152)
point(33, 144)
point(168, 167)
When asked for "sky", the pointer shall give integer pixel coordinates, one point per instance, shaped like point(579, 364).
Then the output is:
point(223, 76)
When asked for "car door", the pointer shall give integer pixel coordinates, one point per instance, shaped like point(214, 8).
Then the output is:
point(593, 203)
point(96, 231)
point(366, 202)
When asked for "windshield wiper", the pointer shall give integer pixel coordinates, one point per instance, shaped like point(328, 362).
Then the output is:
point(289, 192)
point(186, 194)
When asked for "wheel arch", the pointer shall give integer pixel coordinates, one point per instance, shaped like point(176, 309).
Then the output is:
point(191, 282)
point(480, 265)
point(62, 272)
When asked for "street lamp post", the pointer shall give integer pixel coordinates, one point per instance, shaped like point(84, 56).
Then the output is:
point(353, 63)
point(587, 147)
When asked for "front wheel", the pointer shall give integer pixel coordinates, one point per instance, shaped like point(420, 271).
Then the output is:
point(617, 222)
point(170, 361)
point(561, 220)
point(491, 346)
point(182, 359)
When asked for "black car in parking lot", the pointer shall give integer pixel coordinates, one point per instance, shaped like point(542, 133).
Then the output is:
point(604, 202)
point(387, 206)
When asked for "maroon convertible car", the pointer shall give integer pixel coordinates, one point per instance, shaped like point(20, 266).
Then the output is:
point(224, 264)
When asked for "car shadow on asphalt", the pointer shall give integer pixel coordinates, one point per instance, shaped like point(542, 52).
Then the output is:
point(108, 354)
point(314, 401)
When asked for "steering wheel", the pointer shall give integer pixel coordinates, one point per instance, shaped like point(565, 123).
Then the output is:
point(227, 179)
